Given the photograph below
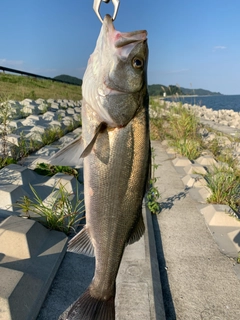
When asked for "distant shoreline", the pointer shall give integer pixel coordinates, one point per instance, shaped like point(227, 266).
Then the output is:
point(190, 96)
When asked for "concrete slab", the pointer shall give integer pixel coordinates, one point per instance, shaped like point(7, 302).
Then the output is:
point(30, 257)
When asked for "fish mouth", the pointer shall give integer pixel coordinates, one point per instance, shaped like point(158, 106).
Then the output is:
point(121, 39)
point(109, 91)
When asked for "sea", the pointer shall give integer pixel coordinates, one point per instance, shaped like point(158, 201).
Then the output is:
point(218, 102)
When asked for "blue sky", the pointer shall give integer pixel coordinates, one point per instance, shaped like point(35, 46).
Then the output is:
point(192, 43)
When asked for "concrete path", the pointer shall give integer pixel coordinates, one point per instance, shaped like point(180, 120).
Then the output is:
point(198, 281)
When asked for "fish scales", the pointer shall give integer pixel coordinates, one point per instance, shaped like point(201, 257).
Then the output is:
point(115, 145)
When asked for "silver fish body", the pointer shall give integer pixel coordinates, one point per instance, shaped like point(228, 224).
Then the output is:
point(116, 164)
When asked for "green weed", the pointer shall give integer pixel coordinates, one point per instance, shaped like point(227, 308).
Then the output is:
point(47, 169)
point(59, 212)
point(225, 186)
point(153, 193)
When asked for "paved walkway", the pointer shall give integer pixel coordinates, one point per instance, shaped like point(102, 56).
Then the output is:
point(198, 281)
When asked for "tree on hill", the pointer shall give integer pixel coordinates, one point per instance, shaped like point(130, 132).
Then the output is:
point(69, 79)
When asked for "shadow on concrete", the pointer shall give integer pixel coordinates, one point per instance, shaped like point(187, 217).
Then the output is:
point(236, 239)
point(166, 292)
point(169, 202)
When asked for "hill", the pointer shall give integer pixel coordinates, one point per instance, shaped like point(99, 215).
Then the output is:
point(69, 79)
point(158, 90)
point(199, 92)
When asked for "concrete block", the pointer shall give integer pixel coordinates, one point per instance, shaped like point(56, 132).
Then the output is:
point(17, 291)
point(171, 151)
point(206, 160)
point(13, 138)
point(30, 109)
point(16, 123)
point(194, 180)
point(47, 151)
point(49, 116)
point(77, 117)
point(50, 100)
point(55, 106)
point(9, 195)
point(32, 161)
point(200, 194)
point(27, 102)
point(70, 183)
point(21, 238)
point(30, 259)
point(195, 168)
point(16, 175)
point(30, 120)
point(40, 101)
point(70, 111)
point(181, 162)
point(78, 109)
point(55, 123)
point(219, 215)
point(68, 121)
point(38, 129)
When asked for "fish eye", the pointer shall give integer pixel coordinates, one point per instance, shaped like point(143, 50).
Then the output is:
point(137, 63)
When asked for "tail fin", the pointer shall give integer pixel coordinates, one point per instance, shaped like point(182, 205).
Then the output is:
point(90, 308)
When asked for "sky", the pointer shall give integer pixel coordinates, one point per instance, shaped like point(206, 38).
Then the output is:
point(192, 43)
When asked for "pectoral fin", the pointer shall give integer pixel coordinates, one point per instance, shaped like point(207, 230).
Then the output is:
point(102, 149)
point(69, 155)
point(100, 128)
point(74, 151)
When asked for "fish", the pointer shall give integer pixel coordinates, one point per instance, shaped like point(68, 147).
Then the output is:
point(115, 145)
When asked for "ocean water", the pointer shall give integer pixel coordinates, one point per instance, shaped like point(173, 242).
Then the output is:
point(215, 102)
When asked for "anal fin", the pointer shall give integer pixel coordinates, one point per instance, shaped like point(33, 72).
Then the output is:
point(137, 231)
point(82, 243)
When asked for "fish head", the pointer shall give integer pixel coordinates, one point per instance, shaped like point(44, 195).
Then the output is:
point(115, 82)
